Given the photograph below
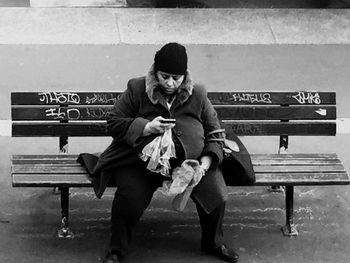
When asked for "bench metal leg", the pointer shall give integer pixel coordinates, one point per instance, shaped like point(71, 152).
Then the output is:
point(64, 231)
point(289, 229)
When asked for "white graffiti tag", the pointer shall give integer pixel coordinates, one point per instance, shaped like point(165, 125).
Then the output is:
point(101, 99)
point(307, 98)
point(97, 113)
point(58, 114)
point(59, 97)
point(252, 97)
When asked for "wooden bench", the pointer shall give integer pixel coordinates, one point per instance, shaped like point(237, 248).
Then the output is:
point(280, 114)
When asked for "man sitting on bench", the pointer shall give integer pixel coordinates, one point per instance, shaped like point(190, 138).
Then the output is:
point(167, 92)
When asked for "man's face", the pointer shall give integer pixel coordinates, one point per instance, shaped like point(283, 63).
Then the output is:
point(169, 82)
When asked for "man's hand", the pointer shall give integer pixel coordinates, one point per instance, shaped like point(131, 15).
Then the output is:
point(205, 163)
point(156, 126)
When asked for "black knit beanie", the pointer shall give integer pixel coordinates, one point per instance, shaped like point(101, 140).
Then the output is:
point(172, 59)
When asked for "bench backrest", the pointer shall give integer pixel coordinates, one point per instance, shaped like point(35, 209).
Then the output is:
point(64, 114)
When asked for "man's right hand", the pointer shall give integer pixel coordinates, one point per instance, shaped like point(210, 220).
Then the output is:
point(156, 126)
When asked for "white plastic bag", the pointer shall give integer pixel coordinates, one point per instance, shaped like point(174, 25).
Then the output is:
point(184, 179)
point(158, 152)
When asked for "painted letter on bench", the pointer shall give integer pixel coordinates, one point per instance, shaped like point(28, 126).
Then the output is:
point(252, 97)
point(307, 98)
point(59, 97)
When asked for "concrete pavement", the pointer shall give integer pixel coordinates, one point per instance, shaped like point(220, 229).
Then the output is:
point(100, 26)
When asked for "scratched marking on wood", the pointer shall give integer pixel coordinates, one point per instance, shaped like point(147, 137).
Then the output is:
point(101, 99)
point(97, 113)
point(246, 129)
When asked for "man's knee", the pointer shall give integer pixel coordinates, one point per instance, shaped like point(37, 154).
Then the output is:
point(131, 202)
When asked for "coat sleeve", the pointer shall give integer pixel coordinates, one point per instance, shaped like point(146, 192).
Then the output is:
point(123, 122)
point(210, 124)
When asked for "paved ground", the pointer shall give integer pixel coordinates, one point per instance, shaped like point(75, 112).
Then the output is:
point(29, 219)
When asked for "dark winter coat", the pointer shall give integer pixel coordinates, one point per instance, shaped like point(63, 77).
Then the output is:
point(140, 103)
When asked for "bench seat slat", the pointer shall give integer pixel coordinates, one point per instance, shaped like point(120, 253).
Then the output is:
point(257, 159)
point(45, 161)
point(66, 169)
point(302, 178)
point(256, 156)
point(286, 161)
point(296, 156)
point(74, 180)
point(297, 168)
point(238, 128)
point(272, 162)
point(44, 180)
point(48, 169)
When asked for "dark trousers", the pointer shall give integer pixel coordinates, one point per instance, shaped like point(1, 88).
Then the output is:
point(135, 188)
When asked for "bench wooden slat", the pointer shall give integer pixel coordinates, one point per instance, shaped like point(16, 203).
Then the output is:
point(238, 128)
point(60, 113)
point(48, 169)
point(338, 178)
point(320, 162)
point(52, 180)
point(224, 113)
point(297, 168)
point(257, 159)
point(296, 156)
point(219, 98)
point(254, 156)
point(43, 156)
point(272, 98)
point(45, 162)
point(77, 168)
point(64, 98)
point(285, 169)
point(262, 179)
point(276, 113)
point(275, 128)
point(58, 129)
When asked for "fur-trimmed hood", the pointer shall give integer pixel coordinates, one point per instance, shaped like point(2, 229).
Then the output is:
point(155, 95)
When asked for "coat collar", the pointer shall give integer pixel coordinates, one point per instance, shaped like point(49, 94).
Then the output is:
point(154, 94)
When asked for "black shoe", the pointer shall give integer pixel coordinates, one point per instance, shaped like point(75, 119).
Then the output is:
point(223, 252)
point(111, 258)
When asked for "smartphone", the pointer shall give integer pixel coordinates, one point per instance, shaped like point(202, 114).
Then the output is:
point(168, 121)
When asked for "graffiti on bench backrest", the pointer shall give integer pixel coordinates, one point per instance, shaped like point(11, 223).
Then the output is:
point(101, 99)
point(252, 97)
point(64, 113)
point(307, 97)
point(60, 114)
point(97, 113)
point(59, 97)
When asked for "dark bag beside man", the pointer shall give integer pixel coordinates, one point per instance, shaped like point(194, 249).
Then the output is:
point(237, 167)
